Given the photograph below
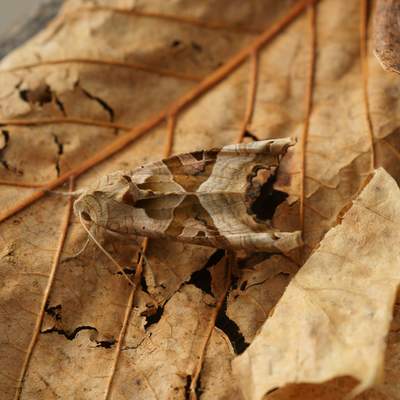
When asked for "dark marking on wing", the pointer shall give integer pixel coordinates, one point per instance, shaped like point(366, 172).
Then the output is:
point(261, 197)
point(161, 207)
point(192, 169)
point(188, 211)
point(155, 184)
point(199, 155)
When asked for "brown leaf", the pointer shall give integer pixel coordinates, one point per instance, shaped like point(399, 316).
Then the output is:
point(110, 85)
point(335, 314)
point(386, 33)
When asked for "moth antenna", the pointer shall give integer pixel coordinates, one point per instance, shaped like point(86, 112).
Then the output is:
point(109, 256)
point(74, 193)
point(79, 252)
point(141, 253)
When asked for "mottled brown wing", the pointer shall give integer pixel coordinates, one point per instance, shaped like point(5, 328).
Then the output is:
point(203, 197)
point(219, 220)
point(225, 169)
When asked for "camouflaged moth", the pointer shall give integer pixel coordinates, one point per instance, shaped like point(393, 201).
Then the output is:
point(205, 197)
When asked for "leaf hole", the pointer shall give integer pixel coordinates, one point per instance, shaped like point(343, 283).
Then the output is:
point(41, 95)
point(202, 278)
point(176, 43)
point(269, 199)
point(231, 329)
point(250, 135)
point(154, 318)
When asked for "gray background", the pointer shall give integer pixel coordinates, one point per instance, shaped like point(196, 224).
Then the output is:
point(21, 19)
point(14, 11)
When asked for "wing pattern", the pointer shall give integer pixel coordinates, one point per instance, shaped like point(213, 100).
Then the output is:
point(204, 197)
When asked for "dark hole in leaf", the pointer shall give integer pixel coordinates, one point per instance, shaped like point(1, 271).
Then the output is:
point(250, 135)
point(198, 389)
point(176, 43)
point(107, 344)
point(202, 278)
point(60, 106)
point(269, 199)
point(54, 311)
point(232, 330)
point(127, 271)
point(187, 386)
point(70, 335)
point(102, 103)
point(24, 95)
point(6, 135)
point(41, 95)
point(60, 145)
point(198, 155)
point(143, 284)
point(154, 318)
point(234, 283)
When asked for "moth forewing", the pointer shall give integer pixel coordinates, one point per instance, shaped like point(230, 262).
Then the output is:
point(204, 197)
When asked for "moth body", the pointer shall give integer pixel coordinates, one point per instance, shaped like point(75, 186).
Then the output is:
point(205, 197)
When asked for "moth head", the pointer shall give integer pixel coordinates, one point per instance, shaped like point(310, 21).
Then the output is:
point(112, 191)
point(92, 208)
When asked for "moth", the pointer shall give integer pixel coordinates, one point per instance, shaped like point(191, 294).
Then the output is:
point(207, 198)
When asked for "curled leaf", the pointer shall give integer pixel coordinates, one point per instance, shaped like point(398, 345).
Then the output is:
point(335, 314)
point(386, 32)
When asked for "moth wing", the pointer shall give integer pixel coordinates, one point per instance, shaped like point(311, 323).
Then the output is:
point(205, 197)
point(224, 169)
point(219, 220)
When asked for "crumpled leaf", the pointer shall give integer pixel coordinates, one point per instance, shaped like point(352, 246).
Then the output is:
point(386, 33)
point(109, 85)
point(334, 316)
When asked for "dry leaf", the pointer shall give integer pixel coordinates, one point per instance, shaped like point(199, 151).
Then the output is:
point(112, 84)
point(334, 316)
point(386, 33)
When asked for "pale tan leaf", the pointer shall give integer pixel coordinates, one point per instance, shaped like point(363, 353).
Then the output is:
point(334, 316)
